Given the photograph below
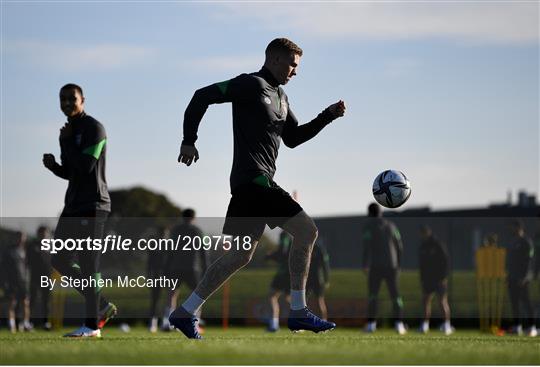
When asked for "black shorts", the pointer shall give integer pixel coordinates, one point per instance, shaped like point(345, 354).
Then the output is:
point(252, 207)
point(315, 287)
point(316, 291)
point(281, 282)
point(438, 287)
point(17, 290)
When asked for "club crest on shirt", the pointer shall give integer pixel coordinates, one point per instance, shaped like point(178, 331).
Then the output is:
point(78, 139)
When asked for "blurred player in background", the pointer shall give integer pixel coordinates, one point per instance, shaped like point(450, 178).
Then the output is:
point(186, 266)
point(155, 268)
point(434, 265)
point(319, 276)
point(381, 261)
point(536, 243)
point(520, 263)
point(281, 282)
point(39, 263)
point(16, 278)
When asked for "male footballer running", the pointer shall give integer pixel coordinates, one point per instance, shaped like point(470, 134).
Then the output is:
point(261, 119)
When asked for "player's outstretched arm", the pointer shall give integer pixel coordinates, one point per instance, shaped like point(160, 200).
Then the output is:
point(226, 91)
point(337, 109)
point(294, 135)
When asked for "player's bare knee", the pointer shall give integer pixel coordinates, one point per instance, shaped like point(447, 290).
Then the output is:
point(308, 234)
point(302, 228)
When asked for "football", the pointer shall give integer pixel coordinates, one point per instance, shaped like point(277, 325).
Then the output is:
point(391, 188)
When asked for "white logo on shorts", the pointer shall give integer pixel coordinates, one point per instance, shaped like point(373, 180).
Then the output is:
point(267, 100)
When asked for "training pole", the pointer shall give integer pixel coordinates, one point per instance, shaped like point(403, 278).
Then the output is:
point(480, 278)
point(57, 304)
point(490, 281)
point(225, 305)
point(501, 282)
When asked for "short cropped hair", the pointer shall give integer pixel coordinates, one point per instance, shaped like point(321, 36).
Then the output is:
point(374, 210)
point(424, 228)
point(72, 86)
point(517, 223)
point(188, 213)
point(283, 45)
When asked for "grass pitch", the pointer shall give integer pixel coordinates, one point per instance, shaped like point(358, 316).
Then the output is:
point(253, 346)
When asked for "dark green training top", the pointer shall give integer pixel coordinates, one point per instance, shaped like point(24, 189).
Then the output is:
point(433, 260)
point(520, 259)
point(261, 118)
point(83, 165)
point(382, 244)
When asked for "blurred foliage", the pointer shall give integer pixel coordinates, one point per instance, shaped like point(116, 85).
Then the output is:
point(137, 213)
point(141, 202)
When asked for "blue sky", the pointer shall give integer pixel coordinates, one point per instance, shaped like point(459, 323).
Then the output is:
point(446, 92)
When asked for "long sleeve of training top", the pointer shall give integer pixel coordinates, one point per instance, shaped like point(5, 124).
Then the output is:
point(383, 247)
point(293, 134)
point(61, 171)
point(261, 119)
point(434, 261)
point(233, 90)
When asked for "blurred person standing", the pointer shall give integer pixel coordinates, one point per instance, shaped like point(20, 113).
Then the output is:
point(382, 261)
point(16, 278)
point(434, 265)
point(536, 243)
point(520, 263)
point(155, 269)
point(186, 266)
point(280, 285)
point(319, 276)
point(39, 263)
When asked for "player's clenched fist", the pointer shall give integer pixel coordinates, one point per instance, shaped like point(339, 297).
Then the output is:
point(337, 109)
point(49, 161)
point(188, 154)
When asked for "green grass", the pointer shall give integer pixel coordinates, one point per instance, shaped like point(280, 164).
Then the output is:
point(250, 286)
point(252, 346)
